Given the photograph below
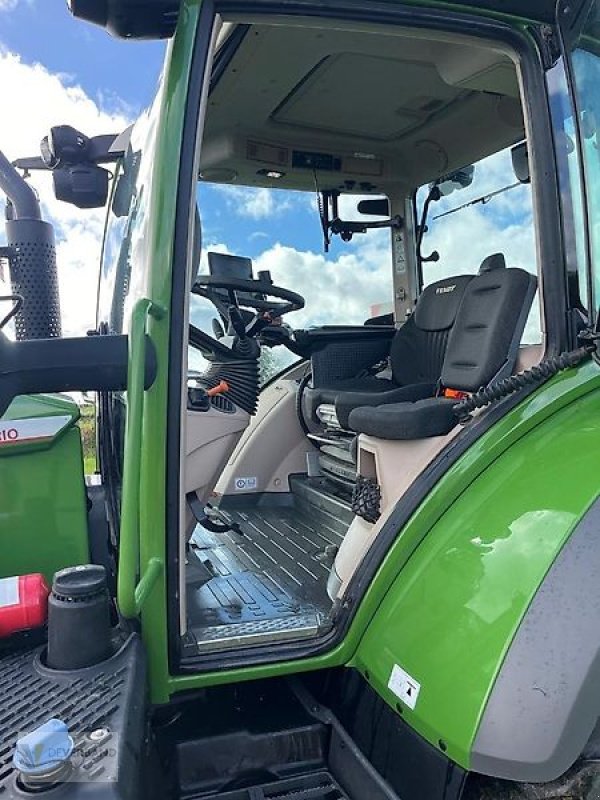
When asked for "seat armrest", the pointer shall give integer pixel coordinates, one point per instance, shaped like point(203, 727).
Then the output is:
point(346, 402)
point(433, 416)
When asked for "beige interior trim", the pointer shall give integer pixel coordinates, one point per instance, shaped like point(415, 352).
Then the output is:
point(280, 93)
point(529, 356)
point(395, 466)
point(211, 436)
point(274, 445)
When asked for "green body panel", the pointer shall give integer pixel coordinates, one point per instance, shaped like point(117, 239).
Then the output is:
point(539, 409)
point(452, 612)
point(153, 266)
point(43, 518)
point(152, 269)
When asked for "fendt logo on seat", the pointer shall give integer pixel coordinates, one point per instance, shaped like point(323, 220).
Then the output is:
point(445, 289)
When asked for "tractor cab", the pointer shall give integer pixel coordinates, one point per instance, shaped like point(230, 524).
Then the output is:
point(340, 543)
point(291, 473)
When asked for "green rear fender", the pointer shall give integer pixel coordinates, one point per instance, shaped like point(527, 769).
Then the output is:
point(441, 635)
point(43, 504)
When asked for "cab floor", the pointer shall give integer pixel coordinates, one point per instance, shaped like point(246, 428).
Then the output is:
point(266, 579)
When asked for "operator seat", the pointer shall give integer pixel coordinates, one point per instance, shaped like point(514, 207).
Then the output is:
point(483, 346)
point(416, 356)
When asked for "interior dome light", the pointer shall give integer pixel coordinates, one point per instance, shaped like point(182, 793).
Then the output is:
point(271, 173)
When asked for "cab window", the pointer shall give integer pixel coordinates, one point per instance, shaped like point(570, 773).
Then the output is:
point(483, 209)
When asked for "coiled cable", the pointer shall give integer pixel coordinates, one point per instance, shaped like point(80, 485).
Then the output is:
point(538, 374)
point(299, 398)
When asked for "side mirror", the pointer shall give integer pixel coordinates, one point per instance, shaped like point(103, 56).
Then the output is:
point(520, 162)
point(455, 181)
point(374, 208)
point(81, 185)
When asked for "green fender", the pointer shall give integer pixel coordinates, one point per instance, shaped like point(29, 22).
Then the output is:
point(438, 639)
point(43, 504)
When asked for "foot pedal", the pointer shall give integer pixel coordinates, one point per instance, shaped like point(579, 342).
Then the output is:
point(198, 572)
point(202, 518)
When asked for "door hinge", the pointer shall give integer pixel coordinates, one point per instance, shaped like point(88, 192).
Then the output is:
point(548, 42)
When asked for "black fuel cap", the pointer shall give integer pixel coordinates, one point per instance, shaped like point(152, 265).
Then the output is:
point(75, 583)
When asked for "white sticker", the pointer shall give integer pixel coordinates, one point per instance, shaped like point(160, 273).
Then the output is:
point(404, 687)
point(243, 484)
point(33, 429)
point(9, 592)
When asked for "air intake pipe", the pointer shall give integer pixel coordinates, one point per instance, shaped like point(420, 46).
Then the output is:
point(32, 258)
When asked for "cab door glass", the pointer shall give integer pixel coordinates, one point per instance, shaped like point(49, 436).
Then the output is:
point(279, 231)
point(585, 71)
point(492, 212)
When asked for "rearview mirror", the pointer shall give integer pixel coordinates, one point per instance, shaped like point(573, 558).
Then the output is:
point(374, 208)
point(520, 162)
point(454, 181)
point(81, 185)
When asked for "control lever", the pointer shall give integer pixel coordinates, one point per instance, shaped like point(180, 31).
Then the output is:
point(217, 328)
point(237, 321)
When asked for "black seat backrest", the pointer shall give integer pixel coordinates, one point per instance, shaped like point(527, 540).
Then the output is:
point(418, 348)
point(484, 341)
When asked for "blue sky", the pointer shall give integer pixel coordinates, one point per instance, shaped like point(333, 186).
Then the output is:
point(108, 69)
point(54, 69)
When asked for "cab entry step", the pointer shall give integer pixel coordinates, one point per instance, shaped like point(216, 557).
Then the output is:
point(314, 786)
point(265, 740)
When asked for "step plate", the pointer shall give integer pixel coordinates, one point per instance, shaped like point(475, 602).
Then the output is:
point(245, 634)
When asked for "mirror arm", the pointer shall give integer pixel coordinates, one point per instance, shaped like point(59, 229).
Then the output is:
point(87, 363)
point(344, 228)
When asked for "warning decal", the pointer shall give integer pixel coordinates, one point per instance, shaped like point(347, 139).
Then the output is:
point(19, 431)
point(243, 484)
point(9, 592)
point(404, 686)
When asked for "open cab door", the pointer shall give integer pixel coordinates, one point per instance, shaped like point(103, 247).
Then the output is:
point(340, 484)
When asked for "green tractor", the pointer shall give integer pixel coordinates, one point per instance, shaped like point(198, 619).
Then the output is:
point(330, 553)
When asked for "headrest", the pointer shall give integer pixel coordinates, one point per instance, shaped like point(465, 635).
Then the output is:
point(438, 304)
point(495, 261)
point(520, 162)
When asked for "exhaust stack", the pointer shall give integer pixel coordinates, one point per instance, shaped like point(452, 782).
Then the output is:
point(32, 258)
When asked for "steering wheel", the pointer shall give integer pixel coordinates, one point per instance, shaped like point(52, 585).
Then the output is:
point(255, 294)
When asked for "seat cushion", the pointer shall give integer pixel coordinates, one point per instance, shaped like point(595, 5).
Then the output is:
point(430, 417)
point(368, 385)
point(346, 402)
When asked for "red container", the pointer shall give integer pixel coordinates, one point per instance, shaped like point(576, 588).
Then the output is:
point(23, 603)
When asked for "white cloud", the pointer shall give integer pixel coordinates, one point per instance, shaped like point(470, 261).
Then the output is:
point(255, 203)
point(8, 5)
point(337, 291)
point(39, 100)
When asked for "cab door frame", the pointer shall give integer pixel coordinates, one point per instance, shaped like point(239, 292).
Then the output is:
point(336, 649)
